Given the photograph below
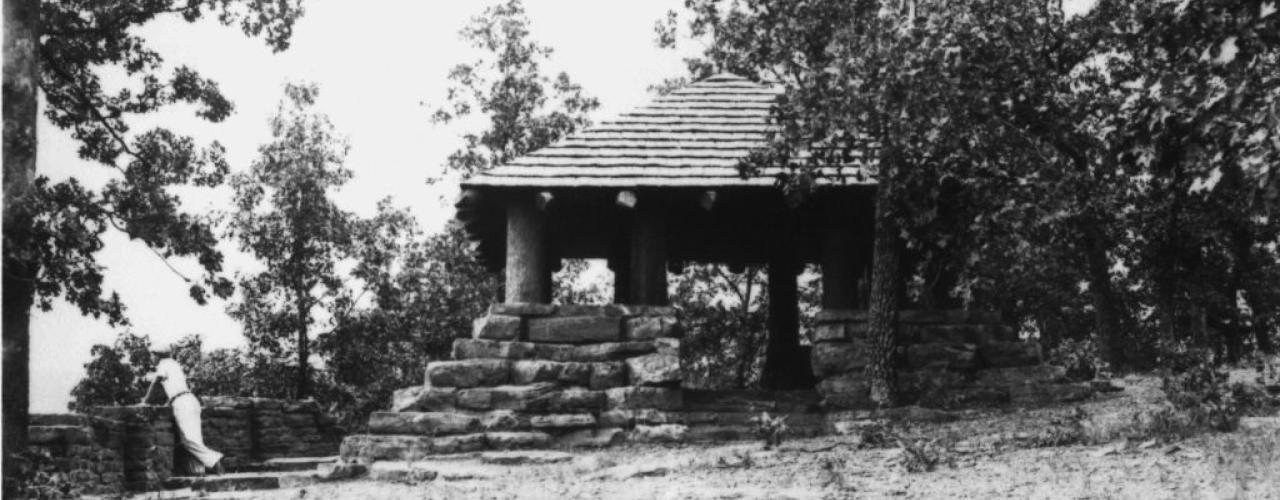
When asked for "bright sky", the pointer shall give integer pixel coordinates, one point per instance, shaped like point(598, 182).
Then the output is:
point(380, 66)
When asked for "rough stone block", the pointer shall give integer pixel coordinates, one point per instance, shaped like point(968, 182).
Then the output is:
point(566, 373)
point(503, 420)
point(610, 351)
point(830, 358)
point(591, 438)
point(604, 310)
point(666, 433)
point(375, 447)
point(461, 443)
point(496, 327)
point(507, 397)
point(658, 398)
point(517, 440)
point(608, 375)
point(522, 309)
point(575, 329)
point(562, 421)
point(719, 433)
point(937, 356)
point(654, 369)
point(567, 401)
point(845, 391)
point(830, 332)
point(652, 327)
point(427, 423)
point(667, 346)
point(1019, 375)
point(1006, 354)
point(492, 349)
point(469, 373)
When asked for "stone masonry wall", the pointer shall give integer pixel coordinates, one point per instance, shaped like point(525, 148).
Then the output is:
point(115, 448)
point(946, 359)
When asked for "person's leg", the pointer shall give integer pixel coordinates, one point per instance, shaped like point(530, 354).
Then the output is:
point(186, 411)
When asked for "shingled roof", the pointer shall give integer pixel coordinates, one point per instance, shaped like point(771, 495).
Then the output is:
point(694, 136)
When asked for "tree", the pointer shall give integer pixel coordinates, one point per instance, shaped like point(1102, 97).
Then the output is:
point(285, 218)
point(417, 296)
point(115, 375)
point(512, 91)
point(52, 231)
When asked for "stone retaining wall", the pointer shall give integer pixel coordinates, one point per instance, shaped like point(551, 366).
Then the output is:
point(946, 359)
point(116, 448)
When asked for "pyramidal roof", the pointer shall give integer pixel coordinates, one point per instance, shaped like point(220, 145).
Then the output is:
point(694, 136)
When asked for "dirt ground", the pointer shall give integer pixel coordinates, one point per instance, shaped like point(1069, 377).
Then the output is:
point(983, 456)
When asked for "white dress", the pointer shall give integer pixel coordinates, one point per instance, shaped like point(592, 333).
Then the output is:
point(186, 411)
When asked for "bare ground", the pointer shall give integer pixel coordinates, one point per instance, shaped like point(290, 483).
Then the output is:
point(984, 455)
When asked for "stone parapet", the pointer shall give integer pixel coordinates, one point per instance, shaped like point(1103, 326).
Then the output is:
point(945, 359)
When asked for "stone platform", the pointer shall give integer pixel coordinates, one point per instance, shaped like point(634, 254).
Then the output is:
point(544, 376)
point(946, 359)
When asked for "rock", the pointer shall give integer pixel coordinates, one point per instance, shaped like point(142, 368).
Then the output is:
point(341, 470)
point(1006, 354)
point(946, 334)
point(376, 447)
point(503, 420)
point(493, 349)
point(942, 356)
point(666, 433)
point(534, 371)
point(1040, 394)
point(654, 369)
point(461, 443)
point(469, 373)
point(848, 383)
point(591, 438)
point(1271, 424)
point(1018, 375)
point(830, 358)
point(495, 327)
point(506, 397)
point(608, 351)
point(59, 435)
point(517, 440)
point(562, 421)
point(652, 327)
point(623, 472)
point(608, 375)
point(399, 472)
point(419, 398)
point(658, 398)
point(575, 329)
point(830, 332)
point(667, 346)
point(568, 400)
point(427, 423)
point(524, 457)
point(525, 309)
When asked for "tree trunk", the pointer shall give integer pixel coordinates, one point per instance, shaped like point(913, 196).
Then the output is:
point(21, 80)
point(304, 352)
point(1106, 314)
point(1246, 270)
point(882, 325)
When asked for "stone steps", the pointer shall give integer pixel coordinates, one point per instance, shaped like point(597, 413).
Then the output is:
point(243, 481)
point(292, 464)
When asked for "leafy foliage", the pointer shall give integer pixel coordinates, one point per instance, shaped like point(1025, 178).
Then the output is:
point(115, 374)
point(525, 108)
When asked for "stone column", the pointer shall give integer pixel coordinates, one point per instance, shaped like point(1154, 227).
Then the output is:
point(648, 249)
point(528, 255)
point(840, 253)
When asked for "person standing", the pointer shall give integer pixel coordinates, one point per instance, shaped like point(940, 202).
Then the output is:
point(186, 411)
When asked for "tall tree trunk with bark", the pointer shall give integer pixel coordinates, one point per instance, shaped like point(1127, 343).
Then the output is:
point(883, 314)
point(21, 84)
point(1106, 314)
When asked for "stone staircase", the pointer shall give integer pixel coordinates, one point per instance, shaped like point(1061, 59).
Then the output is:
point(538, 376)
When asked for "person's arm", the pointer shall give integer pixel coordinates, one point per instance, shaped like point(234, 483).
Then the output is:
point(153, 392)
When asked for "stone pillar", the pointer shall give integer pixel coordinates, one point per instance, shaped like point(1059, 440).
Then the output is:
point(528, 255)
point(648, 249)
point(841, 264)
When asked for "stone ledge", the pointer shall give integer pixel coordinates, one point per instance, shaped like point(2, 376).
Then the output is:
point(469, 373)
point(609, 351)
